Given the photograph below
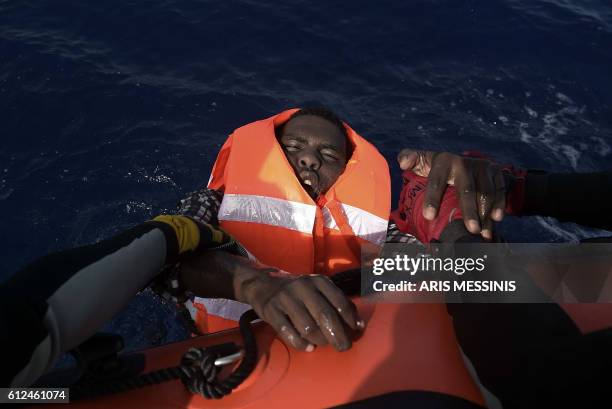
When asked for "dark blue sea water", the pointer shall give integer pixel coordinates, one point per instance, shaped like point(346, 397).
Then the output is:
point(111, 111)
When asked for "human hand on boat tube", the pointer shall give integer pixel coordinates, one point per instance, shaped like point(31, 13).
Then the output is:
point(479, 184)
point(306, 311)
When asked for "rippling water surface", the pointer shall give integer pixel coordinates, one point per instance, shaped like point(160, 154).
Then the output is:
point(111, 111)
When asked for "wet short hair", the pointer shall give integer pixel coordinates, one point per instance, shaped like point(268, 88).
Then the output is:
point(325, 113)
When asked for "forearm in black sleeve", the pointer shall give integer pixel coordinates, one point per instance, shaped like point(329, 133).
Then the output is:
point(58, 301)
point(582, 198)
point(535, 349)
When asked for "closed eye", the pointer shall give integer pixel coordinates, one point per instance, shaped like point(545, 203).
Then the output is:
point(329, 156)
point(292, 148)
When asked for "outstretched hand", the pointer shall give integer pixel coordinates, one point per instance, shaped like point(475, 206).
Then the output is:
point(479, 183)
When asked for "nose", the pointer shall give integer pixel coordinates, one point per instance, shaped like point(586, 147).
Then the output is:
point(309, 160)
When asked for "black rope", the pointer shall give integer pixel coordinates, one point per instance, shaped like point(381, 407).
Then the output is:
point(200, 371)
point(197, 370)
point(349, 281)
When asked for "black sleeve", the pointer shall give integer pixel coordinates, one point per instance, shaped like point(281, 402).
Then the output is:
point(60, 300)
point(535, 349)
point(582, 198)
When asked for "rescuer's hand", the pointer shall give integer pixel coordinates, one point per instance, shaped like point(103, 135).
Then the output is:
point(479, 183)
point(305, 310)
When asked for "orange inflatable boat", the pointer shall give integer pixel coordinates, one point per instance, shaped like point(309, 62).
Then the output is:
point(407, 357)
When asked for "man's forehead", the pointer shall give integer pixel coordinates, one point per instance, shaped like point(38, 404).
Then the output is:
point(310, 126)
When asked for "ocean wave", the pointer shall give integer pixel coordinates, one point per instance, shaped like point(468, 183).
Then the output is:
point(134, 99)
point(560, 132)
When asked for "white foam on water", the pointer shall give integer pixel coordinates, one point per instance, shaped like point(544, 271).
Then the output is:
point(564, 98)
point(5, 194)
point(136, 207)
point(554, 227)
point(554, 124)
point(525, 137)
point(602, 148)
point(572, 154)
point(532, 113)
point(570, 232)
point(555, 128)
point(153, 178)
point(160, 179)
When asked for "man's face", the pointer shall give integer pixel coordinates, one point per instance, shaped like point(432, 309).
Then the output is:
point(317, 151)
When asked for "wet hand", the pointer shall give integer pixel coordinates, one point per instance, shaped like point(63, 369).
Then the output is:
point(306, 311)
point(480, 186)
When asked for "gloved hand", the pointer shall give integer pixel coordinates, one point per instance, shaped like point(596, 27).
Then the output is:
point(191, 235)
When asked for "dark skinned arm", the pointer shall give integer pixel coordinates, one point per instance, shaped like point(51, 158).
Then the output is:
point(305, 310)
point(480, 186)
point(582, 198)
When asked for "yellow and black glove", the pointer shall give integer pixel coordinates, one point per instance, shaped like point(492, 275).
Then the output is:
point(192, 235)
point(185, 235)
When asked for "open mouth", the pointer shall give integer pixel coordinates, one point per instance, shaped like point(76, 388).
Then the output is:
point(310, 180)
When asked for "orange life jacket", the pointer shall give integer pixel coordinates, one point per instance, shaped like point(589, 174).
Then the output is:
point(266, 209)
